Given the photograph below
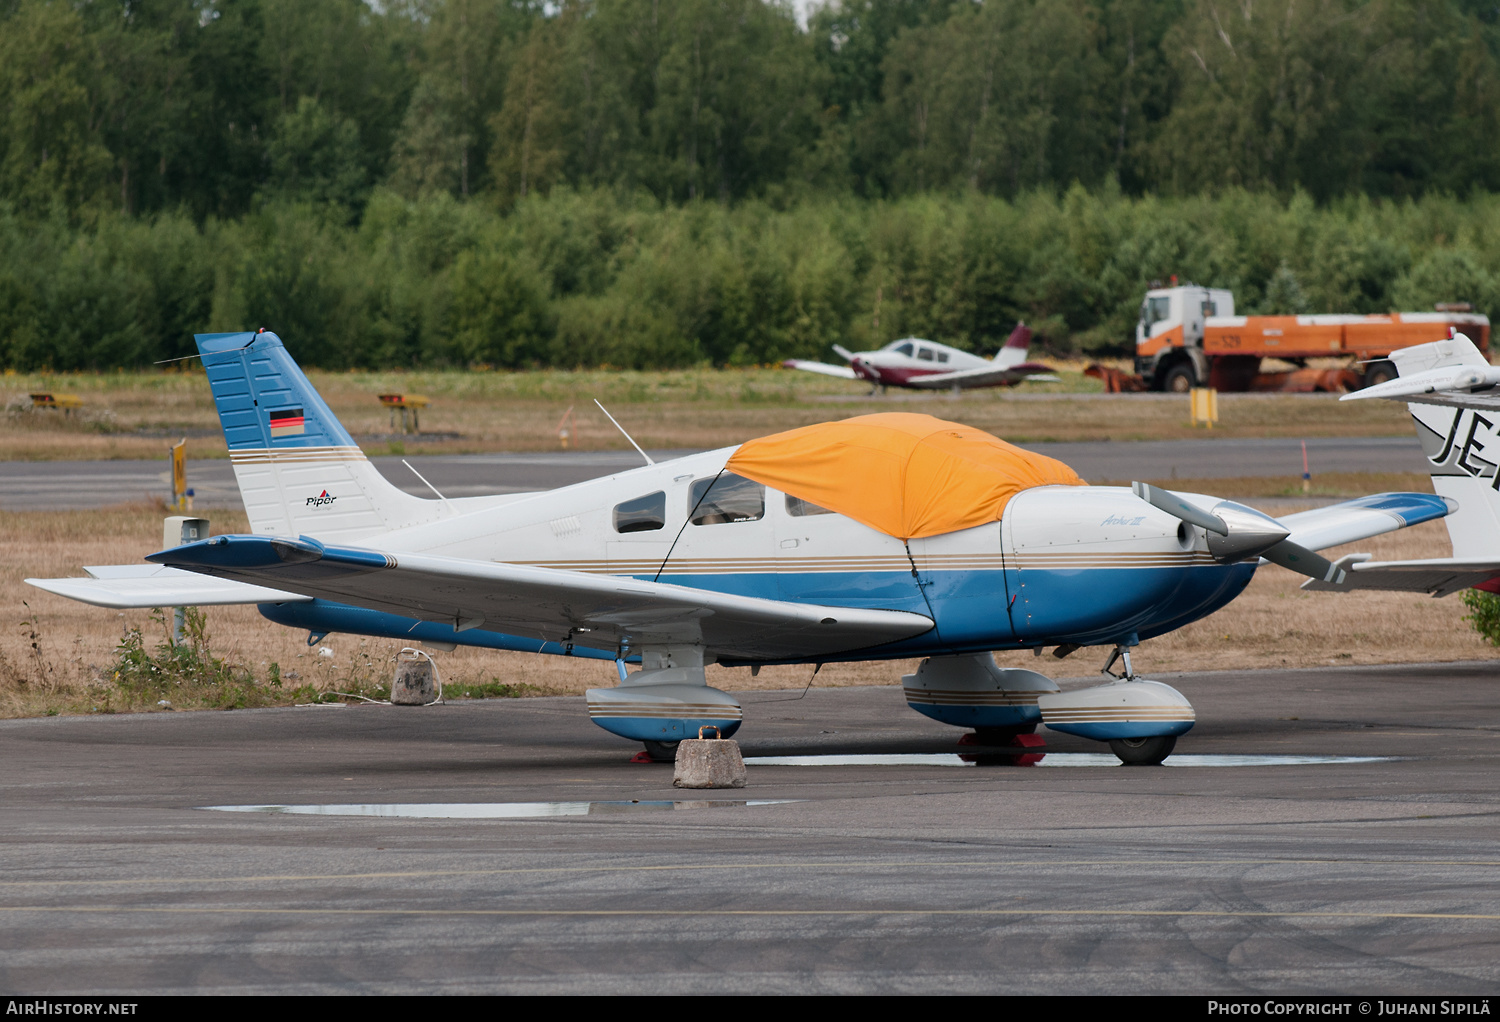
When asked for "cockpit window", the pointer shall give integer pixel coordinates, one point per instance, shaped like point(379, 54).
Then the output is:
point(905, 349)
point(799, 508)
point(925, 354)
point(729, 498)
point(644, 514)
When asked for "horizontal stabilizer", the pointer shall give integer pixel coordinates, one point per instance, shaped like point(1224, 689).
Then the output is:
point(599, 612)
point(137, 586)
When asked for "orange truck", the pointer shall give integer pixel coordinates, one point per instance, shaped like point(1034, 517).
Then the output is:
point(1189, 336)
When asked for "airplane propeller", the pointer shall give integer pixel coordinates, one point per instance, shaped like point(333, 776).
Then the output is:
point(1236, 533)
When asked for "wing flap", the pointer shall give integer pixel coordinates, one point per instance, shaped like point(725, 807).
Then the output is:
point(600, 612)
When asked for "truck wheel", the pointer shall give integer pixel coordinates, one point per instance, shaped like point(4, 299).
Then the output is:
point(1383, 371)
point(1180, 379)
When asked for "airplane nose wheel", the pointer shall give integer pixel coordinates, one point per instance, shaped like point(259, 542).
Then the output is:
point(666, 752)
point(1143, 751)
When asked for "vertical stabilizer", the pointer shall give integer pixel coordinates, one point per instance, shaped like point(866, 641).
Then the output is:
point(1463, 450)
point(298, 469)
point(1013, 352)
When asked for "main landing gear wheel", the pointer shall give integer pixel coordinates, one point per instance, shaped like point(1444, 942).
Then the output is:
point(1143, 751)
point(666, 752)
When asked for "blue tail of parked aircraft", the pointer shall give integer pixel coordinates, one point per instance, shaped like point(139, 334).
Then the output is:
point(298, 469)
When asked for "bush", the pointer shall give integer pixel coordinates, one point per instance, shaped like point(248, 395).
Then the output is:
point(1484, 614)
point(186, 672)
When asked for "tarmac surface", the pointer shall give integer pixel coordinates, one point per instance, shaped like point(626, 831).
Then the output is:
point(1374, 876)
point(76, 485)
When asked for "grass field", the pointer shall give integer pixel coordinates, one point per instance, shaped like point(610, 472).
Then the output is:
point(137, 415)
point(57, 656)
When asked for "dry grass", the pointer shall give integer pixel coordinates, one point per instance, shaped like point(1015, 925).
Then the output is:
point(137, 415)
point(55, 655)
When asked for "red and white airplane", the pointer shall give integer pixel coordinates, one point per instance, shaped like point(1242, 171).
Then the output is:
point(927, 365)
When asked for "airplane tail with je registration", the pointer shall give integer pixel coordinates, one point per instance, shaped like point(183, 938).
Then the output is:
point(1453, 395)
point(298, 469)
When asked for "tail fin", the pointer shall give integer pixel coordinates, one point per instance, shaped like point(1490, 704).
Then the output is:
point(299, 470)
point(1013, 352)
point(1462, 447)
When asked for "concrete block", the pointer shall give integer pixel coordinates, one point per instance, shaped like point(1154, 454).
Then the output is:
point(709, 763)
point(415, 683)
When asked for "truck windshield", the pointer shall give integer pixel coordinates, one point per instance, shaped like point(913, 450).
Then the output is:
point(1155, 311)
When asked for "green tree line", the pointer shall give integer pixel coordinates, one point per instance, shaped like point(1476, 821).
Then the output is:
point(661, 182)
point(589, 278)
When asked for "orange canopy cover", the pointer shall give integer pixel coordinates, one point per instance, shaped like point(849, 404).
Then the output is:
point(906, 475)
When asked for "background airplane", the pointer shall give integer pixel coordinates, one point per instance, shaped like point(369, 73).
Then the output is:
point(926, 365)
point(880, 537)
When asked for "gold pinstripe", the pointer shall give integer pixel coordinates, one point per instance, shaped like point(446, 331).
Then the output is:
point(946, 562)
point(295, 455)
point(1113, 714)
point(948, 697)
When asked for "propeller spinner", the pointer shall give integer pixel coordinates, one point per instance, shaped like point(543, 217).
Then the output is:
point(1236, 533)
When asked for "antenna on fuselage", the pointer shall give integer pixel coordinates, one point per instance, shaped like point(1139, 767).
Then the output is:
point(627, 436)
point(434, 489)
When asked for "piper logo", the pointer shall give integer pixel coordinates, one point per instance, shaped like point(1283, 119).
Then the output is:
point(320, 500)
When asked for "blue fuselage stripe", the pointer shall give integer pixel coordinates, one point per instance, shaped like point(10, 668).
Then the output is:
point(973, 609)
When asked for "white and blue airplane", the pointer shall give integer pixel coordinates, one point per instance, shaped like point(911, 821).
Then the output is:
point(819, 545)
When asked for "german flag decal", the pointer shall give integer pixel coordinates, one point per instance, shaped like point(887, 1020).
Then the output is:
point(287, 422)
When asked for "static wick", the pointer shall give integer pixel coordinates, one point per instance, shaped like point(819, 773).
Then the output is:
point(627, 436)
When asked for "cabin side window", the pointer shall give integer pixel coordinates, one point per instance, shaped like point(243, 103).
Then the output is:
point(643, 514)
point(726, 498)
point(942, 356)
point(799, 508)
point(1156, 310)
point(925, 354)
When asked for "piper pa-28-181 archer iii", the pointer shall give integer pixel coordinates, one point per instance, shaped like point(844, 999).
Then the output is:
point(880, 537)
point(926, 365)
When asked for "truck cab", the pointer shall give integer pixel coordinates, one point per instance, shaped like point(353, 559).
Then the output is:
point(1169, 334)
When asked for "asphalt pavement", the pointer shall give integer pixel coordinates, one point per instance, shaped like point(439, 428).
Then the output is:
point(76, 485)
point(1262, 869)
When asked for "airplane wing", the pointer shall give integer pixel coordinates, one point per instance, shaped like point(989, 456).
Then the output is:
point(1363, 517)
point(596, 611)
point(984, 376)
point(1439, 576)
point(135, 586)
point(1370, 516)
point(843, 372)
